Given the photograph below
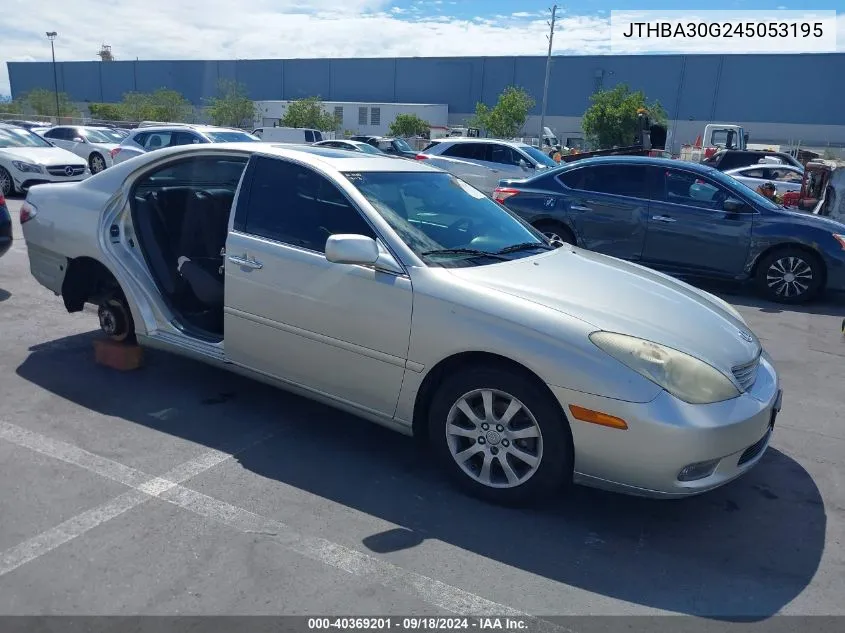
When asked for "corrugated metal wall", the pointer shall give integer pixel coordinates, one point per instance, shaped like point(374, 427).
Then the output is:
point(765, 88)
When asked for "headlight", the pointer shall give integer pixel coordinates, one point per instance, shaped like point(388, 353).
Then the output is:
point(841, 239)
point(27, 167)
point(684, 376)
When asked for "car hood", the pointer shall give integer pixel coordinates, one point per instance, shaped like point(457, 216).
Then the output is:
point(42, 155)
point(811, 219)
point(618, 296)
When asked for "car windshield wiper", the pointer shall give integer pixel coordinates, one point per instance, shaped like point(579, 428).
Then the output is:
point(463, 251)
point(525, 246)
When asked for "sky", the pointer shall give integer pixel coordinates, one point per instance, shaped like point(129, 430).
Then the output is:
point(262, 29)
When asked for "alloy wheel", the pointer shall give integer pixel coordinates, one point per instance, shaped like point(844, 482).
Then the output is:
point(556, 240)
point(5, 182)
point(494, 438)
point(97, 164)
point(789, 277)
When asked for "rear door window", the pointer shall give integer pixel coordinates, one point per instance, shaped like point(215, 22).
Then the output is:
point(472, 151)
point(618, 180)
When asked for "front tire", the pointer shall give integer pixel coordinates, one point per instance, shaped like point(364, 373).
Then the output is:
point(7, 185)
point(500, 436)
point(96, 163)
point(790, 275)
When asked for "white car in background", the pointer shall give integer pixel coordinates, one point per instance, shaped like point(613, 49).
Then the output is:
point(483, 162)
point(93, 143)
point(26, 159)
point(783, 177)
point(150, 138)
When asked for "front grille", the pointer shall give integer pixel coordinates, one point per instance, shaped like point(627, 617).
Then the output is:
point(61, 170)
point(746, 374)
point(755, 449)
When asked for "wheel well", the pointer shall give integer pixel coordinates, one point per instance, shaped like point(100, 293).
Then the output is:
point(87, 280)
point(562, 226)
point(779, 247)
point(459, 362)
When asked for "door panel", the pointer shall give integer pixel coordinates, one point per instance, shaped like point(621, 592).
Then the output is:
point(689, 231)
point(607, 205)
point(339, 329)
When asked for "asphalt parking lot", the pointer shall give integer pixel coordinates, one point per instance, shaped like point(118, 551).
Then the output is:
point(181, 489)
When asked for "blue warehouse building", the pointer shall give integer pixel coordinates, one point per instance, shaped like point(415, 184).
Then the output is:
point(779, 98)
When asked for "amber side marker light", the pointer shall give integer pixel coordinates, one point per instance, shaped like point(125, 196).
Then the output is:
point(597, 417)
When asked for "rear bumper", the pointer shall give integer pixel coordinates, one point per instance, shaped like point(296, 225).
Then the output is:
point(5, 242)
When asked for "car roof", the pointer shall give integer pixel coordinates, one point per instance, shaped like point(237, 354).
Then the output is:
point(183, 126)
point(469, 139)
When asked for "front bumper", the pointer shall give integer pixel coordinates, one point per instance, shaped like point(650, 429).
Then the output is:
point(666, 435)
point(836, 272)
point(25, 180)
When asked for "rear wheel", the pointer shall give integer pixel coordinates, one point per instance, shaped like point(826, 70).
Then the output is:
point(790, 275)
point(500, 436)
point(116, 320)
point(556, 232)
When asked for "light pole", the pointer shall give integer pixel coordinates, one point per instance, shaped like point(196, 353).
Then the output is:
point(51, 35)
point(550, 37)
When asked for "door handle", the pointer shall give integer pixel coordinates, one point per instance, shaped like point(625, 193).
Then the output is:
point(245, 261)
point(578, 207)
point(663, 218)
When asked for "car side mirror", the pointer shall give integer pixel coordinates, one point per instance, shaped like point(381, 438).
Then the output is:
point(352, 249)
point(78, 139)
point(734, 205)
point(524, 165)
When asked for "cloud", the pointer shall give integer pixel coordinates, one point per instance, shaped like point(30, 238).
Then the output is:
point(222, 29)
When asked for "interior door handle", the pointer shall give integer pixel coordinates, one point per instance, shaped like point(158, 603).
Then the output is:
point(245, 261)
point(578, 207)
point(662, 218)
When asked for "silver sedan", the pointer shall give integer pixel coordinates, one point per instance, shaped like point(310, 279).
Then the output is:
point(396, 291)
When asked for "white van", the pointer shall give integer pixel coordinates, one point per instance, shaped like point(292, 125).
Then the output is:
point(288, 134)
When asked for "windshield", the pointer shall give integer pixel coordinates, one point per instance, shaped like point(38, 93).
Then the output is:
point(402, 145)
point(436, 211)
point(748, 192)
point(230, 137)
point(19, 137)
point(539, 156)
point(100, 136)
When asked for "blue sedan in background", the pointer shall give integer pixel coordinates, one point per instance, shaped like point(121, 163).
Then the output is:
point(685, 219)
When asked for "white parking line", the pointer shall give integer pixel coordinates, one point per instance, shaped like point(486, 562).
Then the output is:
point(168, 488)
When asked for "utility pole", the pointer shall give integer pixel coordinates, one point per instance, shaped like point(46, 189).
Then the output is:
point(549, 37)
point(51, 35)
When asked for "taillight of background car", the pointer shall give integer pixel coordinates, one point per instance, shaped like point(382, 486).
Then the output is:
point(500, 194)
point(421, 157)
point(114, 152)
point(28, 211)
point(2, 199)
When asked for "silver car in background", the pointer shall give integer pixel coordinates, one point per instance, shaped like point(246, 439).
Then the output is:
point(398, 292)
point(148, 138)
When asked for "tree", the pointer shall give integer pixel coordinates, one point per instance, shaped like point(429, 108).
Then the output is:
point(106, 111)
point(232, 106)
point(409, 125)
point(507, 117)
point(309, 113)
point(43, 102)
point(11, 106)
point(611, 119)
point(162, 105)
